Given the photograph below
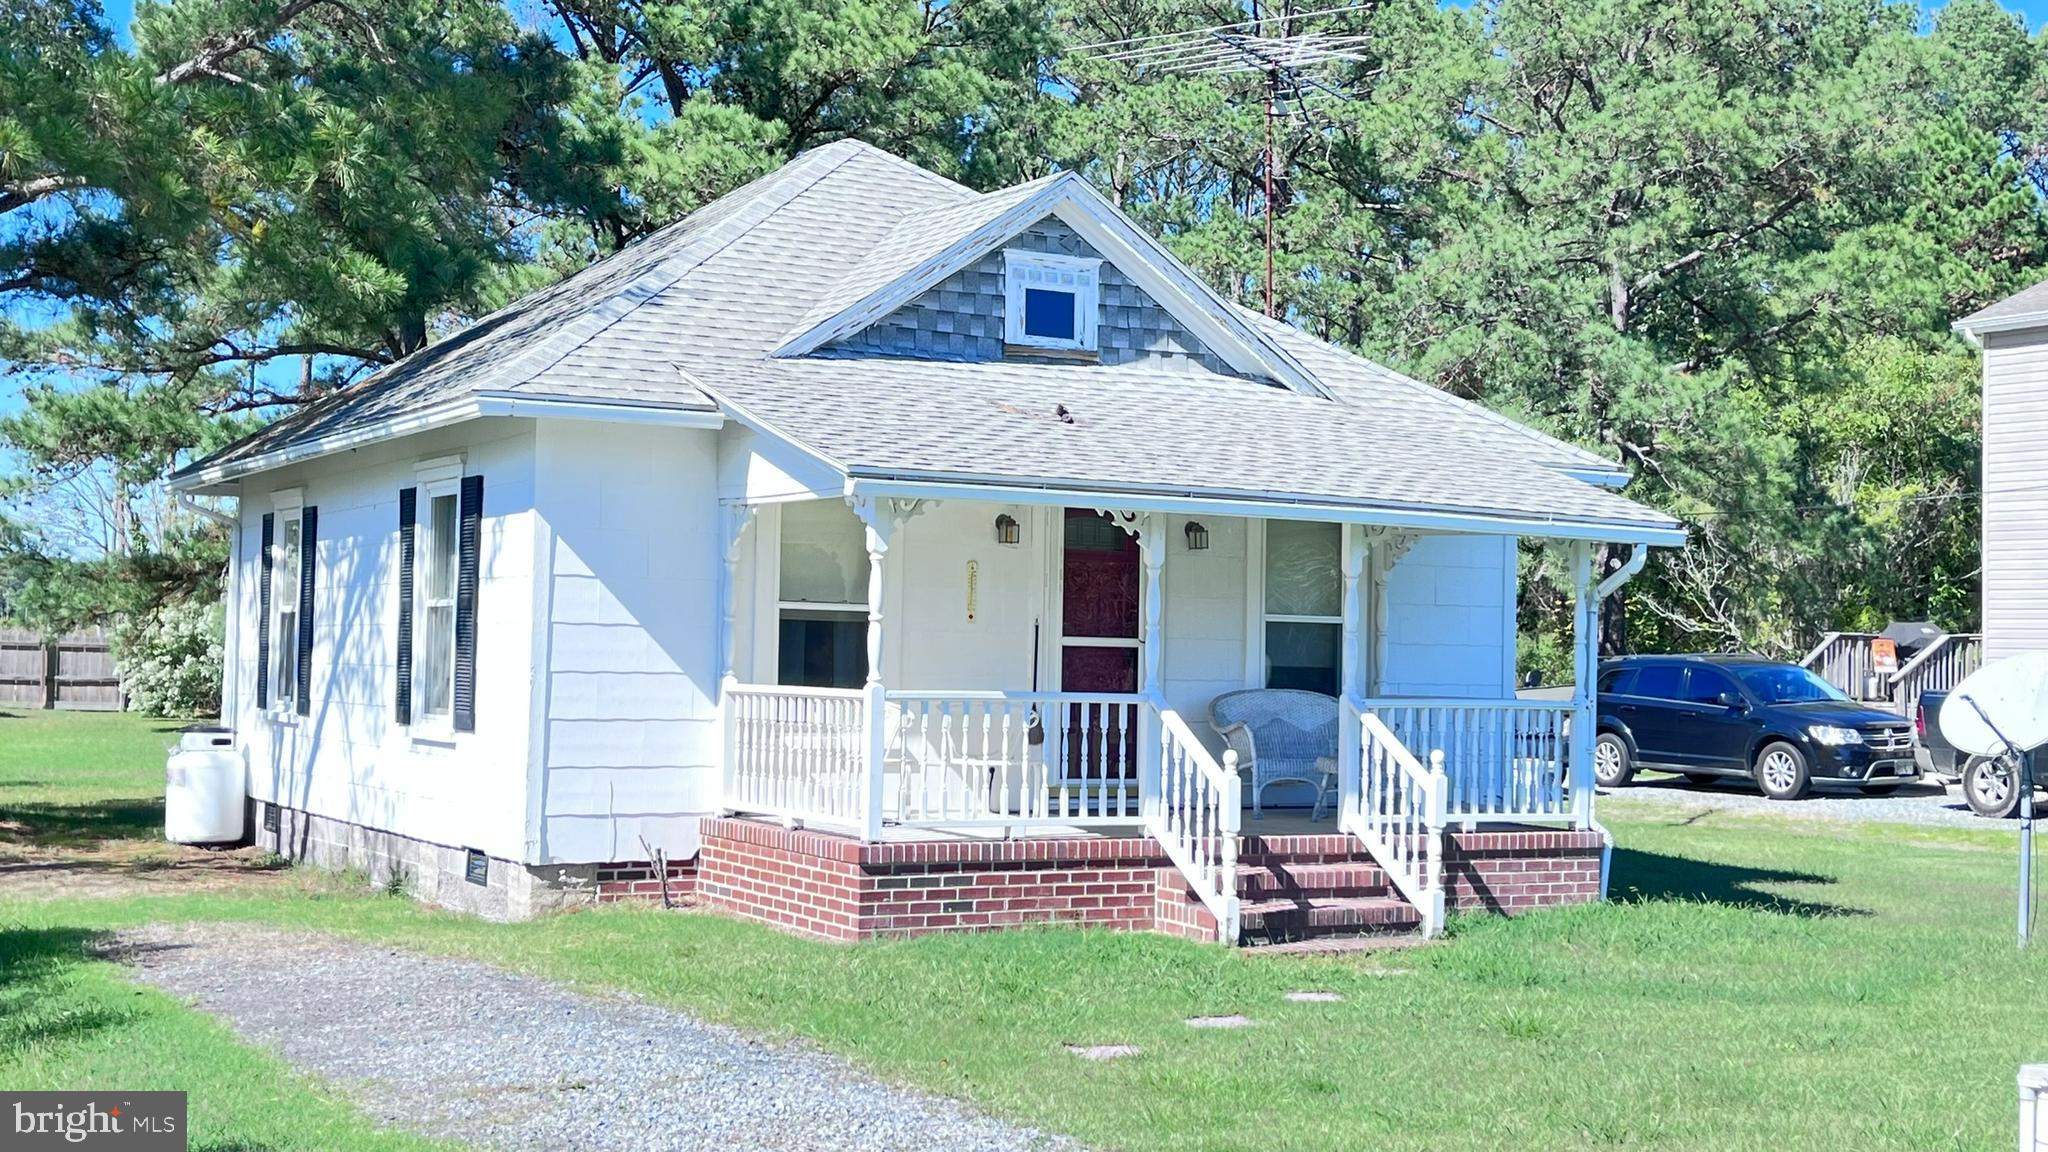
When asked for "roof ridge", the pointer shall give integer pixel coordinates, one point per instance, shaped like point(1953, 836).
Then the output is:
point(830, 302)
point(513, 371)
point(862, 147)
point(672, 267)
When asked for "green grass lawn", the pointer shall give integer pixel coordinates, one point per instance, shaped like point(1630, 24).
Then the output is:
point(1758, 983)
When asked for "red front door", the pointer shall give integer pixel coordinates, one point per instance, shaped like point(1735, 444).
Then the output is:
point(1099, 580)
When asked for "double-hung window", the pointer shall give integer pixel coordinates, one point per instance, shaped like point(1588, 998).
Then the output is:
point(822, 624)
point(1304, 605)
point(434, 587)
point(287, 554)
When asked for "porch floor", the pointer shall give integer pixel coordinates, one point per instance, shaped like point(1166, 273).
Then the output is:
point(1276, 822)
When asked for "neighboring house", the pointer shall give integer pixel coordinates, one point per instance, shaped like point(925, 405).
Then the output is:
point(873, 549)
point(2013, 335)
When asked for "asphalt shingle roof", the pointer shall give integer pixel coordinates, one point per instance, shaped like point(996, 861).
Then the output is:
point(708, 299)
point(2026, 302)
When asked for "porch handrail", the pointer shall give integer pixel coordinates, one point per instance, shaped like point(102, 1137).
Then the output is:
point(1938, 667)
point(1399, 814)
point(1198, 817)
point(1504, 760)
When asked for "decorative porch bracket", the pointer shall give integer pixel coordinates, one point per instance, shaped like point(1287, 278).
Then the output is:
point(1384, 547)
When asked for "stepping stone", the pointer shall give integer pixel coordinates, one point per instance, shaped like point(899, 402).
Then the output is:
point(1219, 1022)
point(1103, 1051)
point(1316, 997)
point(1388, 971)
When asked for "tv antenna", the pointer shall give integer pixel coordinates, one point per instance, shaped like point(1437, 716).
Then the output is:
point(1296, 64)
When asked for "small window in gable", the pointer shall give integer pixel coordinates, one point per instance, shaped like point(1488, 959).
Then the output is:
point(1049, 301)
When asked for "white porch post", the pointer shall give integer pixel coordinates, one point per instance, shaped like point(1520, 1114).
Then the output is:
point(735, 519)
point(1152, 550)
point(1585, 662)
point(1350, 686)
point(881, 527)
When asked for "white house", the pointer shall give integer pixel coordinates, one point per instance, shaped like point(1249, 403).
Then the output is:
point(862, 535)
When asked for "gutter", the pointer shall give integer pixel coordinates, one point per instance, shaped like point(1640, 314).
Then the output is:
point(1973, 330)
point(470, 408)
point(1010, 491)
point(230, 704)
point(1638, 556)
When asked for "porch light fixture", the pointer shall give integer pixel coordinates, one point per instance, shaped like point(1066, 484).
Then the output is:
point(1007, 531)
point(1198, 536)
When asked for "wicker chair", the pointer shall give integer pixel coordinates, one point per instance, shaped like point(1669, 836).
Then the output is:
point(1280, 735)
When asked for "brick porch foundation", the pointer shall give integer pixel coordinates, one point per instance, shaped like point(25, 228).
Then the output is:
point(835, 887)
point(1510, 872)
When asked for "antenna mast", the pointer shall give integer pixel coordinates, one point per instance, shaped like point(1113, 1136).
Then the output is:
point(1288, 64)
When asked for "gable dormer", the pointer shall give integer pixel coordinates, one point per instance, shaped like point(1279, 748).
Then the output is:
point(1044, 294)
point(994, 278)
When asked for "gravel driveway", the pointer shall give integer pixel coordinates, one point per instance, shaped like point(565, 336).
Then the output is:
point(464, 1051)
point(1911, 804)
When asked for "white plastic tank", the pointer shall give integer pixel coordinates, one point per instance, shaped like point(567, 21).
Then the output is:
point(204, 788)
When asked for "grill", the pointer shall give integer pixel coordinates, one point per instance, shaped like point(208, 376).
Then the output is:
point(1889, 740)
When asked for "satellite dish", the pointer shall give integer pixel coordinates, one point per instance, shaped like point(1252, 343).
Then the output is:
point(2013, 694)
point(2001, 710)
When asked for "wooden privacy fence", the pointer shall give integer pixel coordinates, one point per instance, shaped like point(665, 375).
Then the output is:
point(76, 671)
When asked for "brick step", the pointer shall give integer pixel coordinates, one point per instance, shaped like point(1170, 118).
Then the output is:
point(1333, 846)
point(1271, 878)
point(1279, 921)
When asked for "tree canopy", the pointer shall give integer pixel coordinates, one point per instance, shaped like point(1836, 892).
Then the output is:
point(1718, 242)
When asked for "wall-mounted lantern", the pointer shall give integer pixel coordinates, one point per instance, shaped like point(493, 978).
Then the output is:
point(1198, 536)
point(1007, 529)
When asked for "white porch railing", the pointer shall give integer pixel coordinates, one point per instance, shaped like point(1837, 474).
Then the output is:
point(1503, 760)
point(797, 753)
point(1200, 809)
point(966, 759)
point(1398, 813)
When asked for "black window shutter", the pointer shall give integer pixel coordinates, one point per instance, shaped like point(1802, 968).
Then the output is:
point(263, 614)
point(471, 512)
point(408, 516)
point(309, 552)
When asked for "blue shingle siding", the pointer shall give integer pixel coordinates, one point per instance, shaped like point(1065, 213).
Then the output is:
point(961, 318)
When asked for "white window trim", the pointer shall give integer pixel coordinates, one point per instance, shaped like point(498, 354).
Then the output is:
point(1077, 274)
point(1257, 618)
point(287, 506)
point(436, 478)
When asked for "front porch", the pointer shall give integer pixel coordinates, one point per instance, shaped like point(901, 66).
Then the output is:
point(1026, 691)
point(1306, 886)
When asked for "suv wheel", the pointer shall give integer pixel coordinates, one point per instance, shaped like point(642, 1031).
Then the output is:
point(1988, 786)
point(1781, 771)
point(1612, 765)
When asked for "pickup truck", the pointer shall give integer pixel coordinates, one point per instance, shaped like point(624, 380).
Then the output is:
point(1987, 783)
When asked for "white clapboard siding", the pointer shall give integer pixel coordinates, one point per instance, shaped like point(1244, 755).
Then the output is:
point(2015, 492)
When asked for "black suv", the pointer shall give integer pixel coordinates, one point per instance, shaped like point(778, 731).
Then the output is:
point(1712, 716)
